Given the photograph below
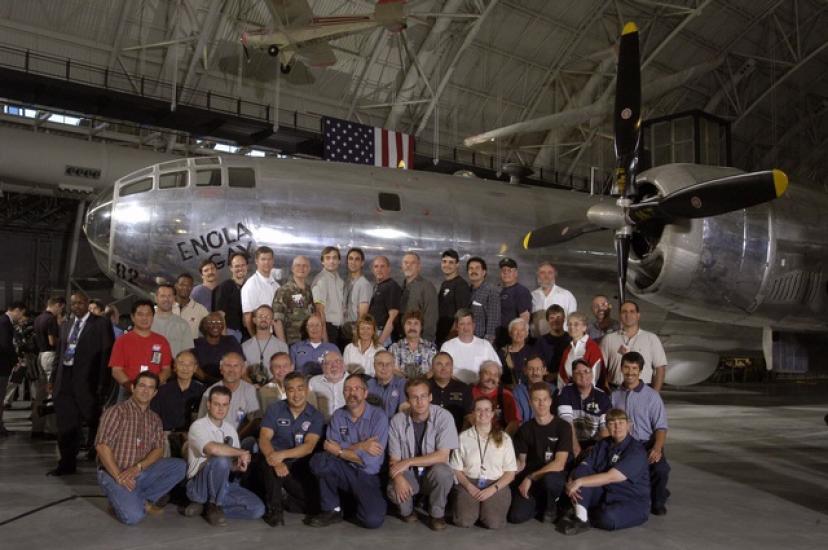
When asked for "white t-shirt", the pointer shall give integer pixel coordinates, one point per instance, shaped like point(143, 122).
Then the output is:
point(257, 291)
point(616, 344)
point(354, 359)
point(193, 313)
point(202, 432)
point(468, 357)
point(329, 395)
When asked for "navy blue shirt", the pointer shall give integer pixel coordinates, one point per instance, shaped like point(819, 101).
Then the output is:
point(514, 300)
point(290, 432)
point(209, 356)
point(628, 457)
point(175, 407)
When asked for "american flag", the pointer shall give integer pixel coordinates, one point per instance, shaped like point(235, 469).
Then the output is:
point(353, 142)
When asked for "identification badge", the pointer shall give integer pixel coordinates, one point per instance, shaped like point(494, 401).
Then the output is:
point(615, 458)
point(420, 471)
point(298, 300)
point(298, 439)
point(156, 358)
point(482, 482)
point(547, 456)
point(476, 303)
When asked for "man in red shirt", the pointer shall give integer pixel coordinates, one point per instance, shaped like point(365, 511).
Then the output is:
point(140, 350)
point(506, 409)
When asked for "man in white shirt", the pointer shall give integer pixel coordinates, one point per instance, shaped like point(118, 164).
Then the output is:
point(328, 387)
point(260, 288)
point(545, 295)
point(186, 308)
point(170, 326)
point(630, 337)
point(213, 454)
point(467, 350)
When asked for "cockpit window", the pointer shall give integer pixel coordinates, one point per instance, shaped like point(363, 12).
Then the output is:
point(208, 178)
point(241, 177)
point(135, 187)
point(172, 180)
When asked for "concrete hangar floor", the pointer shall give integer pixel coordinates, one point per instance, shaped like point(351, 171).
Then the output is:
point(750, 470)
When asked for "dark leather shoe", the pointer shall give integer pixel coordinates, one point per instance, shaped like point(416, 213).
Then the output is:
point(410, 518)
point(659, 510)
point(274, 517)
point(214, 515)
point(575, 527)
point(324, 519)
point(193, 509)
point(437, 524)
point(59, 471)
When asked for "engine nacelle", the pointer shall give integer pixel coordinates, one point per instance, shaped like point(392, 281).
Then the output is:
point(761, 266)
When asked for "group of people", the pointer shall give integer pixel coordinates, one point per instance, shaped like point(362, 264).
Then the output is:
point(330, 398)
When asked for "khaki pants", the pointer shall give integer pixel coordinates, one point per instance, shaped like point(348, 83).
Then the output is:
point(491, 512)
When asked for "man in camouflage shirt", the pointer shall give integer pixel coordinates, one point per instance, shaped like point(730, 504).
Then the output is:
point(293, 302)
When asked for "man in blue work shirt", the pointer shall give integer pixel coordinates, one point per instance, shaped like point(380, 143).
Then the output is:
point(611, 487)
point(354, 453)
point(534, 371)
point(646, 411)
point(289, 432)
point(384, 386)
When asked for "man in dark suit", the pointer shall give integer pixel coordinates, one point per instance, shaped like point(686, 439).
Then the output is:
point(8, 354)
point(81, 380)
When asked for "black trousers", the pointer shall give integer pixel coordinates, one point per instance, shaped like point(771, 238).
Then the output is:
point(72, 413)
point(301, 489)
point(543, 495)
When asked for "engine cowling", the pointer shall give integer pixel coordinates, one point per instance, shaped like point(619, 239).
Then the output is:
point(763, 266)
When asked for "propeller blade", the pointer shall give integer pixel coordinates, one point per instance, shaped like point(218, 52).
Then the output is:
point(558, 233)
point(627, 113)
point(622, 253)
point(714, 197)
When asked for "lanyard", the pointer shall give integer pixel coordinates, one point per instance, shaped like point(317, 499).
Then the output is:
point(482, 450)
point(262, 350)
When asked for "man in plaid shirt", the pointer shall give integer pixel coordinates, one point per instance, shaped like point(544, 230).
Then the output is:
point(131, 472)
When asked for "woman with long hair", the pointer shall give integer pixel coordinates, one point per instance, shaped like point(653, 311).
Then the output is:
point(359, 354)
point(484, 465)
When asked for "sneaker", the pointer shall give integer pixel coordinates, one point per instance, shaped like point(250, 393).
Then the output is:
point(274, 517)
point(410, 518)
point(214, 515)
point(193, 509)
point(324, 519)
point(659, 510)
point(575, 527)
point(437, 524)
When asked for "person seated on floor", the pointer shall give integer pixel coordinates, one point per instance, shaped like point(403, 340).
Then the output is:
point(307, 354)
point(385, 386)
point(584, 407)
point(484, 465)
point(542, 446)
point(130, 444)
point(213, 455)
point(289, 433)
point(534, 372)
point(420, 441)
point(354, 453)
point(610, 488)
point(646, 412)
point(210, 348)
point(244, 404)
point(274, 389)
point(506, 409)
point(177, 402)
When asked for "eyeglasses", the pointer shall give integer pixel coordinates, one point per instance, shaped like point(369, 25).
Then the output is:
point(145, 386)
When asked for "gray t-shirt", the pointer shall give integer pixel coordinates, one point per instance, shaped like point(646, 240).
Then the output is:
point(176, 330)
point(357, 292)
point(243, 403)
point(329, 290)
point(258, 353)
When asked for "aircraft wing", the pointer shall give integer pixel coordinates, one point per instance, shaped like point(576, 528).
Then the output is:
point(317, 54)
point(290, 13)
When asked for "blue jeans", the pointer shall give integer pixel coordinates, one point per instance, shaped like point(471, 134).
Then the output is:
point(212, 484)
point(150, 485)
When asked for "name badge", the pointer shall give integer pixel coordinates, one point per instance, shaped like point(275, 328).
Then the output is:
point(420, 471)
point(283, 422)
point(547, 456)
point(298, 439)
point(156, 358)
point(482, 482)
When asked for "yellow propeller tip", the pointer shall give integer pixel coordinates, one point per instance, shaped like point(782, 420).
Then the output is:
point(629, 28)
point(526, 240)
point(780, 182)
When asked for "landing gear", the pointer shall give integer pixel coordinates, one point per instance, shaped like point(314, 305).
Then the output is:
point(273, 50)
point(285, 68)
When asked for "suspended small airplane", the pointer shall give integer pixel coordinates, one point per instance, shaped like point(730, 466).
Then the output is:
point(298, 33)
point(709, 245)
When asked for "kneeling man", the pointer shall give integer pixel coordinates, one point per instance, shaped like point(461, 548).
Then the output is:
point(213, 454)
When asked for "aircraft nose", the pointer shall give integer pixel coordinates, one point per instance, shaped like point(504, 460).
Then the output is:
point(98, 226)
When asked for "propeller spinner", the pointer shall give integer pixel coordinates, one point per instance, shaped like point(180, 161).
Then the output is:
point(707, 198)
